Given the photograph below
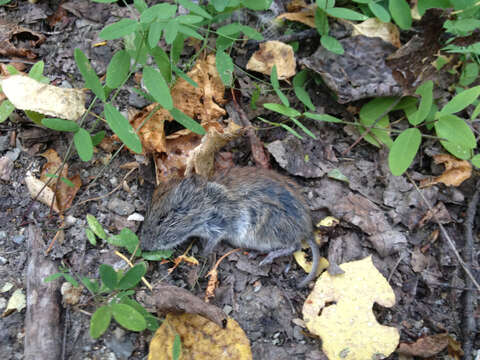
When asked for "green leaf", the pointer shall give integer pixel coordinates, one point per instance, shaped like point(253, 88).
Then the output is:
point(184, 76)
point(71, 279)
point(98, 137)
point(91, 237)
point(251, 33)
point(96, 227)
point(325, 4)
point(105, 1)
point(177, 48)
point(158, 12)
point(171, 31)
point(83, 144)
point(224, 65)
point(53, 277)
point(128, 317)
point(304, 128)
point(118, 68)
point(34, 116)
point(157, 87)
point(276, 86)
point(108, 276)
point(122, 128)
point(460, 101)
point(90, 284)
point(100, 321)
point(119, 29)
point(332, 44)
point(400, 12)
point(346, 14)
point(6, 108)
point(91, 79)
point(194, 8)
point(457, 150)
point(163, 62)
point(187, 121)
point(426, 92)
point(299, 87)
point(12, 70)
point(177, 347)
point(424, 5)
point(129, 240)
point(322, 117)
point(132, 277)
point(469, 74)
point(374, 108)
point(321, 22)
point(188, 31)
point(286, 127)
point(403, 150)
point(282, 109)
point(67, 182)
point(189, 19)
point(257, 5)
point(461, 27)
point(379, 11)
point(60, 124)
point(455, 130)
point(140, 5)
point(36, 72)
point(157, 255)
point(476, 161)
point(338, 175)
point(152, 321)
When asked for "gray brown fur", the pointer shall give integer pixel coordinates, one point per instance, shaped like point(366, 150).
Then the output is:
point(247, 207)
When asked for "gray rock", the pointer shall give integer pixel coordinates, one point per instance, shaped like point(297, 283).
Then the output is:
point(18, 239)
point(120, 207)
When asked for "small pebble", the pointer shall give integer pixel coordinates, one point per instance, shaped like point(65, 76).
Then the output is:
point(120, 207)
point(18, 239)
point(3, 260)
point(297, 333)
point(227, 309)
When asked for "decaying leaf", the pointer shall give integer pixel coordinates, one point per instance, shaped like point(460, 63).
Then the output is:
point(456, 171)
point(373, 27)
point(29, 94)
point(8, 30)
point(17, 302)
point(425, 347)
point(202, 157)
point(34, 186)
point(347, 326)
point(305, 16)
point(200, 338)
point(273, 53)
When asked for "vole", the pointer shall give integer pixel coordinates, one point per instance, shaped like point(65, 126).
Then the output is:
point(247, 207)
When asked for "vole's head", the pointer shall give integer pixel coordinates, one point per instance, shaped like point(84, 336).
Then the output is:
point(179, 211)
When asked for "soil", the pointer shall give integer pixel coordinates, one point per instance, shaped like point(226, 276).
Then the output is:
point(423, 271)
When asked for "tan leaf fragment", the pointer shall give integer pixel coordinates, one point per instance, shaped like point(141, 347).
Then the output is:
point(29, 94)
point(306, 16)
point(348, 327)
point(273, 53)
point(17, 302)
point(456, 171)
point(200, 338)
point(425, 347)
point(373, 27)
point(202, 157)
point(46, 197)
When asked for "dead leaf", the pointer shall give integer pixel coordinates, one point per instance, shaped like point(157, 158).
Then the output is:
point(306, 16)
point(17, 302)
point(438, 212)
point(419, 261)
point(273, 53)
point(373, 27)
point(200, 338)
point(29, 94)
point(425, 347)
point(9, 30)
point(296, 5)
point(456, 171)
point(339, 310)
point(34, 186)
point(213, 275)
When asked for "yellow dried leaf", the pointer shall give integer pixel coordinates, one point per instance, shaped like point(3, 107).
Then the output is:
point(17, 302)
point(26, 93)
point(34, 186)
point(301, 259)
point(201, 339)
point(456, 171)
point(373, 27)
point(347, 326)
point(328, 221)
point(306, 16)
point(273, 53)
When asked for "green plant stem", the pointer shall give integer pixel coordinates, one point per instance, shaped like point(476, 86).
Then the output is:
point(204, 45)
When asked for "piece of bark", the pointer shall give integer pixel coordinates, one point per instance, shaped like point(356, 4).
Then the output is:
point(43, 336)
point(169, 298)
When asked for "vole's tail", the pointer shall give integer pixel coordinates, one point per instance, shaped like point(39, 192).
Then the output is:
point(316, 260)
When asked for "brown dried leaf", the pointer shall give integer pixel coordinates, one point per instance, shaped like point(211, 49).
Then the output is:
point(306, 16)
point(201, 339)
point(456, 171)
point(373, 27)
point(8, 30)
point(34, 186)
point(425, 347)
point(273, 53)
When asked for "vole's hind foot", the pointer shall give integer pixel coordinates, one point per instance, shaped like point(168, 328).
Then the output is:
point(272, 255)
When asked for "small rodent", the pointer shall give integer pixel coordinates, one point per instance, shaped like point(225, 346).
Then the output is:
point(247, 207)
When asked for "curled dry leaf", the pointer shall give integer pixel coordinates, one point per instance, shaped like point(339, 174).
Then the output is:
point(273, 53)
point(373, 27)
point(425, 347)
point(347, 326)
point(17, 302)
point(305, 16)
point(456, 171)
point(29, 94)
point(46, 197)
point(200, 338)
point(8, 30)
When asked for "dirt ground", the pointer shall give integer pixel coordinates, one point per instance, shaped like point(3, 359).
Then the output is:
point(380, 215)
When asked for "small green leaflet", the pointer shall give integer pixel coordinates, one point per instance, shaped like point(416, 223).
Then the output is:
point(455, 130)
point(460, 101)
point(118, 69)
point(403, 150)
point(6, 108)
point(157, 87)
point(332, 44)
point(132, 277)
point(120, 126)
point(194, 8)
point(276, 86)
point(60, 124)
point(128, 317)
point(379, 11)
point(401, 14)
point(83, 144)
point(177, 347)
point(282, 109)
point(426, 92)
point(108, 276)
point(346, 14)
point(299, 87)
point(322, 117)
point(96, 227)
point(224, 65)
point(119, 29)
point(99, 321)
point(91, 79)
point(187, 121)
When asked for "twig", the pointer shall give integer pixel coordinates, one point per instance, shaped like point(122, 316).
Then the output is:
point(446, 236)
point(468, 295)
point(367, 131)
point(394, 268)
